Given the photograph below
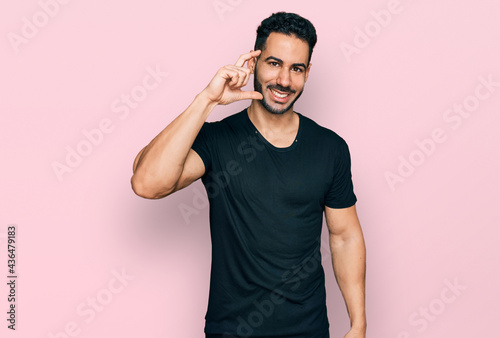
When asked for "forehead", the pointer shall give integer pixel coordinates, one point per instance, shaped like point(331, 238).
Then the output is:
point(288, 48)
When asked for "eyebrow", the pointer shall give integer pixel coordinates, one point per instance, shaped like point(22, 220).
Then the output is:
point(281, 61)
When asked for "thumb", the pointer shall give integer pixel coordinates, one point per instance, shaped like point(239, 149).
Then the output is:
point(253, 95)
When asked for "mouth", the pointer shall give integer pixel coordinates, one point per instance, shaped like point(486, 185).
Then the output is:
point(279, 96)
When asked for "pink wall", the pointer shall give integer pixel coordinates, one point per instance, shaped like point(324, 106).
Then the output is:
point(413, 87)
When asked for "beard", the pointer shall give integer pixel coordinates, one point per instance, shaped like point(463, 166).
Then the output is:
point(258, 88)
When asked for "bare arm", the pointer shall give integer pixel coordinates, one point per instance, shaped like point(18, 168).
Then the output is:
point(168, 163)
point(349, 264)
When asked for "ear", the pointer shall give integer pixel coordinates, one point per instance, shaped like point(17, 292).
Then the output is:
point(251, 64)
point(307, 71)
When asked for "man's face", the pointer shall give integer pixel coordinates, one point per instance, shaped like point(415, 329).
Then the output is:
point(281, 72)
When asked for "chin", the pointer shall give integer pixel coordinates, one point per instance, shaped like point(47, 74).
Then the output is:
point(275, 110)
point(279, 109)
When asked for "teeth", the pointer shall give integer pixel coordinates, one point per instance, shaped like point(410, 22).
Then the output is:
point(279, 95)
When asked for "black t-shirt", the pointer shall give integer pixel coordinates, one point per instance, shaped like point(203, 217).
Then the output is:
point(266, 214)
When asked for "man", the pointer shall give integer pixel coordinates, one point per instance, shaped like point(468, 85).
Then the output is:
point(270, 173)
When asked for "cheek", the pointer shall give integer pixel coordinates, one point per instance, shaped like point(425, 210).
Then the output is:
point(267, 74)
point(299, 81)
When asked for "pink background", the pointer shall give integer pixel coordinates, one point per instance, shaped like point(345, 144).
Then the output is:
point(434, 227)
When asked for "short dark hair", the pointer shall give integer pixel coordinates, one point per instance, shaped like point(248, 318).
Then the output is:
point(289, 24)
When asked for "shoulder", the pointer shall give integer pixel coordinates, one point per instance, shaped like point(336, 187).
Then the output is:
point(224, 130)
point(227, 122)
point(323, 135)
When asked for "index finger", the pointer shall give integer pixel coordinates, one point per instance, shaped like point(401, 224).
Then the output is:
point(245, 57)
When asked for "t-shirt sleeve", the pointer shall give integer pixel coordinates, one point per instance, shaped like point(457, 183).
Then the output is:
point(202, 143)
point(341, 191)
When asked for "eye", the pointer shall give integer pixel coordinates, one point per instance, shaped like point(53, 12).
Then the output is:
point(297, 69)
point(274, 64)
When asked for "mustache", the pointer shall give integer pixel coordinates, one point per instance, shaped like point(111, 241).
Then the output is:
point(282, 89)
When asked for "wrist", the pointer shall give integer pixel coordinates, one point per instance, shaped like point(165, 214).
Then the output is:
point(204, 98)
point(359, 321)
point(359, 325)
point(203, 104)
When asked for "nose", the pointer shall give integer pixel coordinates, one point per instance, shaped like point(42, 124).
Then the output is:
point(283, 77)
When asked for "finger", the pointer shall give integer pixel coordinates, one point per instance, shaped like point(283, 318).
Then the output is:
point(252, 95)
point(247, 78)
point(242, 70)
point(245, 57)
point(243, 74)
point(234, 80)
point(231, 75)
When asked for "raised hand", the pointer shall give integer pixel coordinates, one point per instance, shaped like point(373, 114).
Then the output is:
point(225, 87)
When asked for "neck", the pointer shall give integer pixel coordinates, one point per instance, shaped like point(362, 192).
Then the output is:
point(265, 120)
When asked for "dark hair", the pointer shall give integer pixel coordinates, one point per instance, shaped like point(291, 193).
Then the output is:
point(289, 24)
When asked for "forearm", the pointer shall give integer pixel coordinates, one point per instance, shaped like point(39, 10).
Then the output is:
point(159, 165)
point(349, 265)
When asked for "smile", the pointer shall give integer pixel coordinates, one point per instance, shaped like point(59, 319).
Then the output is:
point(279, 96)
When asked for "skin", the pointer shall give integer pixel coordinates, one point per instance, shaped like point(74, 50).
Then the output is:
point(168, 164)
point(348, 251)
point(283, 63)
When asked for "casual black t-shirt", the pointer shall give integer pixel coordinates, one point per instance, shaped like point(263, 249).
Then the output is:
point(266, 214)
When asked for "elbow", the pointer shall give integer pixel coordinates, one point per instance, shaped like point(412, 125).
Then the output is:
point(148, 191)
point(140, 189)
point(347, 240)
